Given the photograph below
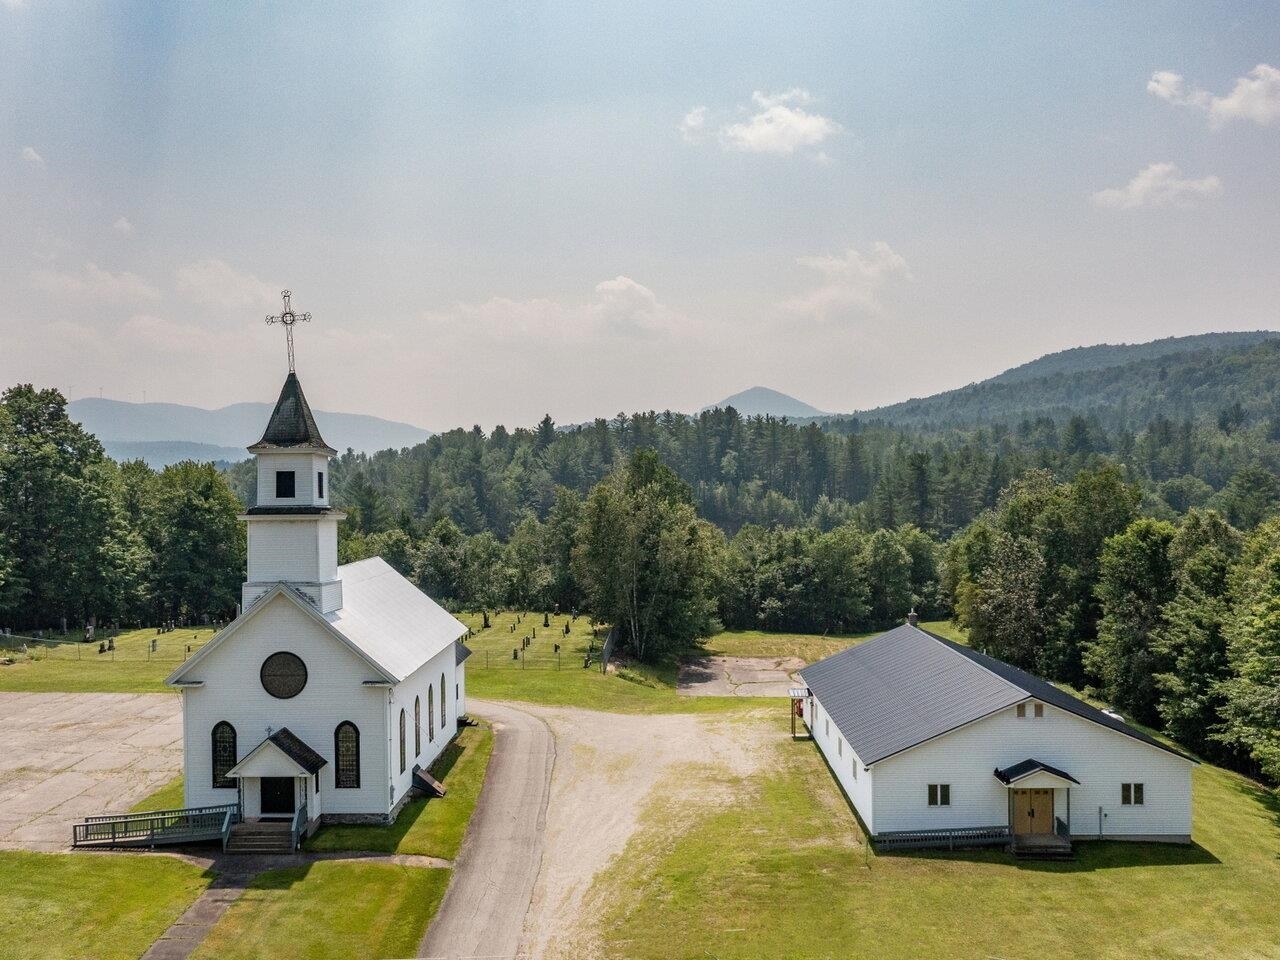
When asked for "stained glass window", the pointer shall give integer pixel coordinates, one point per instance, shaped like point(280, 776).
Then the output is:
point(224, 754)
point(346, 747)
point(283, 675)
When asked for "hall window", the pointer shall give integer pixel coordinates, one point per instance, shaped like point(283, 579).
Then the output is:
point(224, 754)
point(319, 484)
point(939, 794)
point(346, 748)
point(1131, 794)
point(285, 485)
point(417, 726)
point(431, 713)
point(442, 699)
point(402, 764)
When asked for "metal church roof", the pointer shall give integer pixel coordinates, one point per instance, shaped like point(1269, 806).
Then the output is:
point(1025, 768)
point(906, 686)
point(292, 425)
point(297, 750)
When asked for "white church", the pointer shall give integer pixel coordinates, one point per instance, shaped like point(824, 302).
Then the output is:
point(337, 683)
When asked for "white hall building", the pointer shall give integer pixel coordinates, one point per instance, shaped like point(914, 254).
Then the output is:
point(337, 683)
point(929, 738)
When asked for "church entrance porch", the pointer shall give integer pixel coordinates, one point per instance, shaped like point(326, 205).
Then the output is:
point(280, 780)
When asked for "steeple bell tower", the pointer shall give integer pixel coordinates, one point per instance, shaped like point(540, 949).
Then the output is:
point(293, 532)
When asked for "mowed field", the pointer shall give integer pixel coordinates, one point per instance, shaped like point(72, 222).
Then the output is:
point(768, 865)
point(784, 871)
point(75, 667)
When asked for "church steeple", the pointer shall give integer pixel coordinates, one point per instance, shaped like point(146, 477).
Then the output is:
point(293, 532)
point(292, 425)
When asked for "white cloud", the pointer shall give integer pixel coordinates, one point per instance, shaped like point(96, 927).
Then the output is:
point(94, 283)
point(30, 155)
point(620, 306)
point(693, 124)
point(123, 227)
point(216, 283)
point(780, 125)
point(853, 284)
point(1255, 97)
point(1158, 185)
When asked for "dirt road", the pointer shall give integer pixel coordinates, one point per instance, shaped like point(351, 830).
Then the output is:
point(483, 912)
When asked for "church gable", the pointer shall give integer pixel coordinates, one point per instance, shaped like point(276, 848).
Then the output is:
point(280, 622)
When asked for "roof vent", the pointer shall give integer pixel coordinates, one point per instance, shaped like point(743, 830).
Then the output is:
point(913, 618)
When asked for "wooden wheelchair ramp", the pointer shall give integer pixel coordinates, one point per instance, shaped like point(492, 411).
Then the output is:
point(157, 828)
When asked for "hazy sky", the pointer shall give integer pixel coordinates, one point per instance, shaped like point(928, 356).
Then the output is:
point(495, 210)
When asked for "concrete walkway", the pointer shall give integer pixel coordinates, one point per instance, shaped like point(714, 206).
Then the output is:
point(234, 874)
point(484, 909)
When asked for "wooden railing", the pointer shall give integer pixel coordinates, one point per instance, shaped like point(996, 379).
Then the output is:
point(157, 827)
point(947, 839)
point(297, 827)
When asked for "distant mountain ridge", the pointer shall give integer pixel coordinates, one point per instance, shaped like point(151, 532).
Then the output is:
point(762, 401)
point(163, 433)
point(1104, 355)
point(1121, 385)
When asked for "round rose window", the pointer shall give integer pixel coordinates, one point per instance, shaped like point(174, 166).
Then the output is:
point(283, 675)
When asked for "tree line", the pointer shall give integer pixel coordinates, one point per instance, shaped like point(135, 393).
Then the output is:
point(1166, 607)
point(86, 540)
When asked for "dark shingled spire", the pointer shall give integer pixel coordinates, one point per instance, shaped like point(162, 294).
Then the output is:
point(291, 424)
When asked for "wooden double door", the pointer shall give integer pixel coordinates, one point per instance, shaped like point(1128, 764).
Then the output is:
point(1032, 811)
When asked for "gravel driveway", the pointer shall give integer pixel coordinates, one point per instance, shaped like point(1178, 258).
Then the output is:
point(64, 756)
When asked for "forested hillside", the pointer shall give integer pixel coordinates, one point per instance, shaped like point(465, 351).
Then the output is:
point(1181, 384)
point(1103, 355)
point(1139, 559)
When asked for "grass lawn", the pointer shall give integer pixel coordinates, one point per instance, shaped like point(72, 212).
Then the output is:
point(783, 872)
point(493, 674)
point(168, 797)
point(79, 668)
point(433, 826)
point(329, 911)
point(809, 647)
point(92, 906)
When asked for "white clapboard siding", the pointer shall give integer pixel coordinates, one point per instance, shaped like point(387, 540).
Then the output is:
point(857, 786)
point(334, 692)
point(403, 694)
point(302, 549)
point(305, 467)
point(1100, 758)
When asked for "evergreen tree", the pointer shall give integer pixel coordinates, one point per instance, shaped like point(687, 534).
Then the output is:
point(1135, 583)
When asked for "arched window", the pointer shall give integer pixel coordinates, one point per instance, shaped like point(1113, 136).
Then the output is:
point(224, 754)
point(431, 714)
point(442, 699)
point(346, 750)
point(402, 740)
point(417, 726)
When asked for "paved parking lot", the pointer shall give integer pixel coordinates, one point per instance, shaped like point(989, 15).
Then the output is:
point(64, 756)
point(738, 676)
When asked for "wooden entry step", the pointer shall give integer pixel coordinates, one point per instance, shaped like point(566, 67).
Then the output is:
point(1042, 846)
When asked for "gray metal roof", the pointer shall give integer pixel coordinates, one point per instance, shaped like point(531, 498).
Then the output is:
point(906, 686)
point(297, 750)
point(1025, 768)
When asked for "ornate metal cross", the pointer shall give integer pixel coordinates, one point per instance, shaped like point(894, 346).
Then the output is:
point(289, 318)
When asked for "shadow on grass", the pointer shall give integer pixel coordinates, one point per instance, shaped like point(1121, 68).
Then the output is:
point(1265, 797)
point(1091, 855)
point(387, 839)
